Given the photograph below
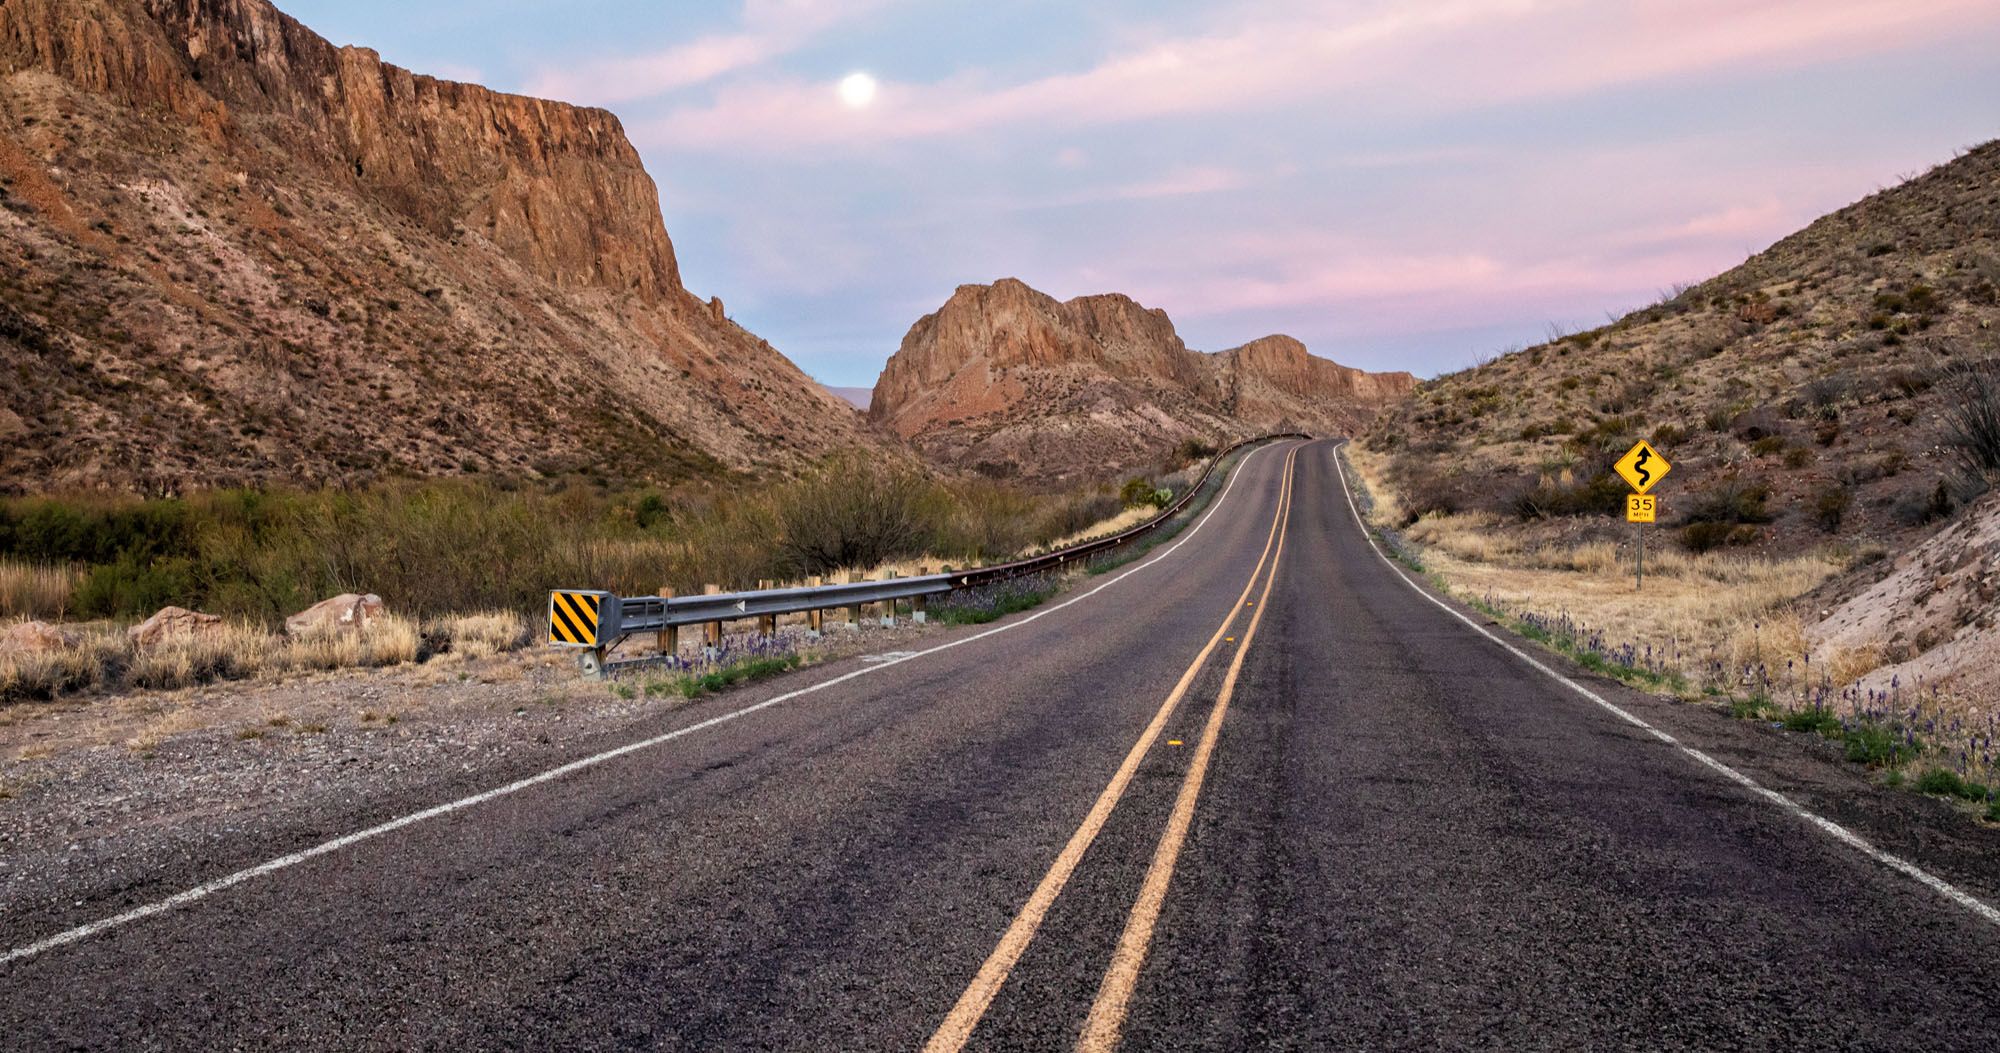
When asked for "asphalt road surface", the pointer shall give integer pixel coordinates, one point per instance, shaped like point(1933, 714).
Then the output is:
point(1256, 791)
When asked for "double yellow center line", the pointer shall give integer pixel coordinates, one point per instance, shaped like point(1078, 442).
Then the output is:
point(1107, 1015)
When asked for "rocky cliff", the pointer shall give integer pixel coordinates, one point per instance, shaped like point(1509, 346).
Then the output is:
point(1011, 381)
point(238, 253)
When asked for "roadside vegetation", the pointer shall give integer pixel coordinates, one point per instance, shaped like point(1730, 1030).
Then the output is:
point(434, 550)
point(437, 547)
point(1713, 626)
point(102, 656)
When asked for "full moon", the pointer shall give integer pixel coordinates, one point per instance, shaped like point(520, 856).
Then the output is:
point(857, 90)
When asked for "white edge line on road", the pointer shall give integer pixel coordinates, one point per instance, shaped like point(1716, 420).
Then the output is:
point(210, 888)
point(1835, 830)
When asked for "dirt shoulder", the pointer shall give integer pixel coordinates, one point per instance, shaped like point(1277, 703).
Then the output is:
point(105, 799)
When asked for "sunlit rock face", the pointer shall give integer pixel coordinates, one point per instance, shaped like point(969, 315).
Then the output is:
point(1010, 381)
point(282, 260)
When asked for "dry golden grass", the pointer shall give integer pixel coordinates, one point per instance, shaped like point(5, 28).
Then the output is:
point(1711, 615)
point(236, 652)
point(39, 675)
point(483, 635)
point(388, 640)
point(1697, 609)
point(1125, 520)
point(36, 590)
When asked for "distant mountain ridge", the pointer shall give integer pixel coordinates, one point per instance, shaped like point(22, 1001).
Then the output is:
point(856, 397)
point(240, 254)
point(1010, 381)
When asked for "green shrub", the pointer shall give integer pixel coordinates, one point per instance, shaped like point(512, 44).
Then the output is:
point(134, 585)
point(444, 546)
point(855, 512)
point(1814, 720)
point(1947, 783)
point(1875, 745)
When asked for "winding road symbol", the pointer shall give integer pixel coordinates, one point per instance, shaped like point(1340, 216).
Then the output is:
point(1643, 467)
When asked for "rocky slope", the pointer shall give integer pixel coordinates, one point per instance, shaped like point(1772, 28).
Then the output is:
point(235, 253)
point(1815, 397)
point(1009, 381)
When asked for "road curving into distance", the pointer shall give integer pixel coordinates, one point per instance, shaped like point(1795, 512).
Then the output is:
point(1253, 791)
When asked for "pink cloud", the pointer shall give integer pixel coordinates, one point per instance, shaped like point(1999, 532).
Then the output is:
point(1391, 58)
point(770, 30)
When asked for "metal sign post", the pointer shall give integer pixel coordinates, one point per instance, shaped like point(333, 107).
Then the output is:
point(1640, 509)
point(1642, 467)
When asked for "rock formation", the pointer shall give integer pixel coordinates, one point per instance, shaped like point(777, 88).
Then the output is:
point(238, 253)
point(1010, 381)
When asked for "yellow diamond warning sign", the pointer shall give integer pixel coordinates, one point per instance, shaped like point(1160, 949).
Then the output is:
point(1642, 466)
point(1641, 508)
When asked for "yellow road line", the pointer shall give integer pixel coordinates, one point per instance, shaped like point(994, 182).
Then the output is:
point(1103, 1028)
point(957, 1027)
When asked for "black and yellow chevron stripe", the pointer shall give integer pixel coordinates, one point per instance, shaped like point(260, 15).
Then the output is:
point(573, 618)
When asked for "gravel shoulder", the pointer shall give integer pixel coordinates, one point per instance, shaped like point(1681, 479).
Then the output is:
point(105, 799)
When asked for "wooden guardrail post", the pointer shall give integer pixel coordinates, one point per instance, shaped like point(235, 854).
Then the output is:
point(889, 606)
point(767, 624)
point(854, 609)
point(713, 630)
point(670, 637)
point(917, 602)
point(815, 618)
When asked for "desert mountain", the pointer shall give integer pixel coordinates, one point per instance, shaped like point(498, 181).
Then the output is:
point(237, 253)
point(1010, 381)
point(1818, 395)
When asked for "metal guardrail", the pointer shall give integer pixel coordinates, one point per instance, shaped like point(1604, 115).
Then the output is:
point(594, 621)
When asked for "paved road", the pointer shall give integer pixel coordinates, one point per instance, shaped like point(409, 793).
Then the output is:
point(1373, 828)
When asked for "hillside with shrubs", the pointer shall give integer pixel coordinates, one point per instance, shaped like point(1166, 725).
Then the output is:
point(1831, 409)
point(1837, 386)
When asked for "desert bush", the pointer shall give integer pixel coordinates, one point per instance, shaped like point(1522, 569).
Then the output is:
point(1830, 506)
point(1923, 506)
point(1137, 491)
point(437, 547)
point(1193, 449)
point(1908, 382)
point(854, 512)
point(1768, 445)
point(1732, 501)
point(1601, 494)
point(94, 530)
point(1707, 536)
point(1825, 394)
point(1972, 418)
point(1422, 490)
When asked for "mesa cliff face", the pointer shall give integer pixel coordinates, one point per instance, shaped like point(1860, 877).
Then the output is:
point(1008, 380)
point(281, 259)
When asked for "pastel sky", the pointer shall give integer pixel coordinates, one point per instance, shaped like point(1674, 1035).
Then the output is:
point(1401, 185)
